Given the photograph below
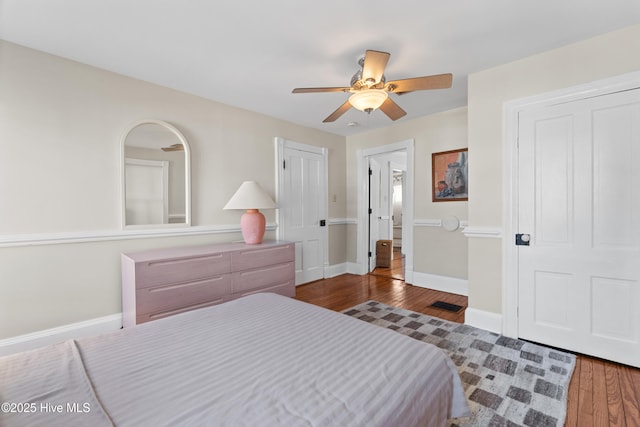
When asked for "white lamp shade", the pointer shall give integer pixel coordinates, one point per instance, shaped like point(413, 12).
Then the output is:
point(368, 99)
point(250, 196)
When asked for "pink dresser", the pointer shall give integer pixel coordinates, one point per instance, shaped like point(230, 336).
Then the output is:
point(163, 282)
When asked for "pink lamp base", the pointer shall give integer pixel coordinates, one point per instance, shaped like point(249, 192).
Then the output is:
point(252, 224)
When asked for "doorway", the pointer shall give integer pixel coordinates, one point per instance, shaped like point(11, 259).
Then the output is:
point(389, 256)
point(573, 173)
point(375, 220)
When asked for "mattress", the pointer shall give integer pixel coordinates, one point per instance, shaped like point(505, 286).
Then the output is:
point(262, 360)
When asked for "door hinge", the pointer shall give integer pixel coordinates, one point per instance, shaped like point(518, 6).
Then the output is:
point(323, 222)
point(370, 171)
point(370, 254)
point(284, 164)
point(370, 211)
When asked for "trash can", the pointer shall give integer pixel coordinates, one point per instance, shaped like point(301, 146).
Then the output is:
point(384, 253)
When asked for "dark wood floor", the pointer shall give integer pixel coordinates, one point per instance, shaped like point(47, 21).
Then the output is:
point(601, 393)
point(395, 270)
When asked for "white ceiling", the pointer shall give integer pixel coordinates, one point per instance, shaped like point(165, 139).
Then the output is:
point(252, 53)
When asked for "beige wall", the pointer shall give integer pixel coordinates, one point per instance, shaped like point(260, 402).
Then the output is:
point(605, 56)
point(61, 124)
point(435, 251)
point(176, 177)
point(59, 137)
point(338, 253)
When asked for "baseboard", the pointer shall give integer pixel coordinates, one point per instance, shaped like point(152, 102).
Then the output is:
point(452, 285)
point(483, 319)
point(355, 268)
point(335, 270)
point(60, 333)
point(408, 275)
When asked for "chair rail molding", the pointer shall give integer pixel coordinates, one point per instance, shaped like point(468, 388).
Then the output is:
point(431, 222)
point(342, 221)
point(39, 239)
point(483, 231)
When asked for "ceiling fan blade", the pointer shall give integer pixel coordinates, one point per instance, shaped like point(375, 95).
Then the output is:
point(374, 64)
point(174, 147)
point(320, 89)
point(391, 109)
point(339, 112)
point(440, 81)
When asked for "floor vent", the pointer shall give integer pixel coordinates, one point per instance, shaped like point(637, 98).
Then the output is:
point(447, 306)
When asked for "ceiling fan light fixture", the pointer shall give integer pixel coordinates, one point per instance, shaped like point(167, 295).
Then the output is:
point(368, 100)
point(370, 90)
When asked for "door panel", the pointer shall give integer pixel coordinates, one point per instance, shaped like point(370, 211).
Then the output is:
point(615, 298)
point(553, 181)
point(554, 289)
point(615, 177)
point(579, 198)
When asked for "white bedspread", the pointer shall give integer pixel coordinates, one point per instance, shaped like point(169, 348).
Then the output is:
point(263, 360)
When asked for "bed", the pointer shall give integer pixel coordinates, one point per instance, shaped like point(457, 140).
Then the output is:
point(262, 360)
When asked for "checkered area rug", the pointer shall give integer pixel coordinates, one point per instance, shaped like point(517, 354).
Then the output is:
point(508, 382)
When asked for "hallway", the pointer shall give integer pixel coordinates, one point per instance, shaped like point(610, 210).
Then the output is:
point(396, 270)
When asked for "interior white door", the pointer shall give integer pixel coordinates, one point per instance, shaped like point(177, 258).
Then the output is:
point(374, 210)
point(385, 202)
point(579, 201)
point(301, 205)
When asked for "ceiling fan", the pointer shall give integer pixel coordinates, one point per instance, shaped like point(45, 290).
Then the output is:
point(371, 90)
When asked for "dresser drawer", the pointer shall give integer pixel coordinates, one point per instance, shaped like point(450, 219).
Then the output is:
point(254, 258)
point(161, 282)
point(141, 318)
point(288, 289)
point(179, 270)
point(261, 277)
point(166, 297)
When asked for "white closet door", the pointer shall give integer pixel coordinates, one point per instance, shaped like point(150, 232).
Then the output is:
point(579, 200)
point(302, 208)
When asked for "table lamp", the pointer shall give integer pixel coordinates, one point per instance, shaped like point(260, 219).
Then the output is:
point(252, 197)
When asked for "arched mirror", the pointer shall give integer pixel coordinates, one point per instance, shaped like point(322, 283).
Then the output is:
point(156, 188)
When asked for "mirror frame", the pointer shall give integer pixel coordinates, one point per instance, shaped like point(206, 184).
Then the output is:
point(187, 173)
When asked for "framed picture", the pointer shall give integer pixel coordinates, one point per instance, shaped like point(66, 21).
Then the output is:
point(450, 181)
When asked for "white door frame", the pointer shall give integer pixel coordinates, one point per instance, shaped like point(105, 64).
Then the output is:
point(511, 113)
point(362, 167)
point(281, 144)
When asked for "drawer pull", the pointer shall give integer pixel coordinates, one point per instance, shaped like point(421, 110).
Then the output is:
point(190, 259)
point(185, 284)
point(183, 309)
point(264, 270)
point(258, 251)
